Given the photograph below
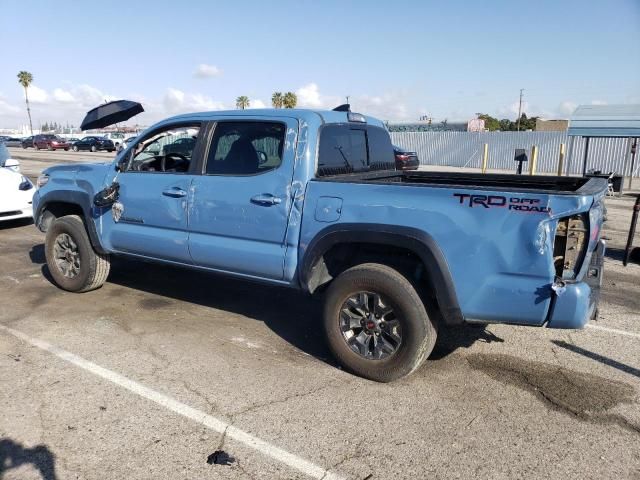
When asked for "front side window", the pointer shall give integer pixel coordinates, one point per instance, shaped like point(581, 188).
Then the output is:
point(168, 150)
point(245, 148)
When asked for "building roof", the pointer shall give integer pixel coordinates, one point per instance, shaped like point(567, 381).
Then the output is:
point(605, 121)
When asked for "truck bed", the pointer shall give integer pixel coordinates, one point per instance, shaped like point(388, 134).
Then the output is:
point(478, 181)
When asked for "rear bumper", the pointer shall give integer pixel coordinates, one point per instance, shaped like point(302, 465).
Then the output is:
point(578, 302)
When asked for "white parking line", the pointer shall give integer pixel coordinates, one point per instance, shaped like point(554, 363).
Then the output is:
point(613, 330)
point(295, 462)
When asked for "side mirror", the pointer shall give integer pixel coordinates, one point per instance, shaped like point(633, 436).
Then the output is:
point(121, 166)
point(12, 164)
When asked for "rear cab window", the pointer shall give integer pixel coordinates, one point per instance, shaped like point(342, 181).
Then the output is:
point(349, 148)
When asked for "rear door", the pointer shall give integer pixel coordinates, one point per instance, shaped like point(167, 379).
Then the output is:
point(242, 200)
point(151, 217)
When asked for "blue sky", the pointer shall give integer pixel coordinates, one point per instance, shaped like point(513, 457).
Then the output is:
point(396, 59)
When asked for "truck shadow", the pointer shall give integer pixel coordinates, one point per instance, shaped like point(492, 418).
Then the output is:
point(13, 455)
point(294, 316)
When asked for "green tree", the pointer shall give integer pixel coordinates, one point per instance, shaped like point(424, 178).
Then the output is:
point(277, 100)
point(45, 127)
point(290, 100)
point(490, 123)
point(25, 79)
point(242, 102)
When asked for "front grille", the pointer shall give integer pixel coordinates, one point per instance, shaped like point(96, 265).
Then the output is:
point(10, 214)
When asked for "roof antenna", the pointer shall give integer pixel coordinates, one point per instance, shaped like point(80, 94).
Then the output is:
point(345, 107)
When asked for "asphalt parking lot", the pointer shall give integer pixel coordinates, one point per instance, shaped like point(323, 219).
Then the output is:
point(150, 375)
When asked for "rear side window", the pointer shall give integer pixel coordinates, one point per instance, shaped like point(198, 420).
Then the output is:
point(348, 148)
point(245, 148)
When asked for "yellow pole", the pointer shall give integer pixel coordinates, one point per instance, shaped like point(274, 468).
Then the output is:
point(534, 160)
point(561, 159)
point(485, 158)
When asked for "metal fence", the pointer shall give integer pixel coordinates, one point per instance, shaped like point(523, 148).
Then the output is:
point(464, 149)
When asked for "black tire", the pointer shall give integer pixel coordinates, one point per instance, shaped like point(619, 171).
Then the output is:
point(418, 330)
point(36, 146)
point(49, 147)
point(66, 149)
point(93, 148)
point(75, 148)
point(93, 267)
point(24, 147)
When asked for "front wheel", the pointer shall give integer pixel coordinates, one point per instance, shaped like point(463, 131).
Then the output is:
point(75, 148)
point(93, 148)
point(36, 146)
point(376, 324)
point(73, 263)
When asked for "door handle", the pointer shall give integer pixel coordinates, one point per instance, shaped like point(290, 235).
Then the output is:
point(174, 192)
point(265, 199)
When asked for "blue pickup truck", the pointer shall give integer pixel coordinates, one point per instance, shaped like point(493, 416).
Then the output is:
point(311, 200)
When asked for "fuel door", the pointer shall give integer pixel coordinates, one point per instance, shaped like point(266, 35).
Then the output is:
point(328, 209)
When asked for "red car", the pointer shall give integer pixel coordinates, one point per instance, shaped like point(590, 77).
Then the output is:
point(50, 142)
point(405, 160)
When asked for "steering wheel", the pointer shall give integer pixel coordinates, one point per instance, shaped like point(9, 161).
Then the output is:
point(177, 158)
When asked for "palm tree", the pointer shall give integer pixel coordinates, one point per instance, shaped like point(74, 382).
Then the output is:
point(25, 79)
point(277, 99)
point(290, 100)
point(242, 102)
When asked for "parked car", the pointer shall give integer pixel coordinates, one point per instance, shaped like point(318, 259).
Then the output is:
point(50, 142)
point(27, 142)
point(405, 160)
point(126, 142)
point(93, 144)
point(13, 142)
point(16, 190)
point(183, 146)
point(116, 137)
point(395, 256)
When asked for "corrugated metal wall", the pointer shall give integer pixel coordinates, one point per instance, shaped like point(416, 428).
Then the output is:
point(464, 149)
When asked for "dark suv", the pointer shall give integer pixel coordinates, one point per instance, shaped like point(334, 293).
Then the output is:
point(50, 142)
point(94, 144)
point(405, 160)
point(27, 142)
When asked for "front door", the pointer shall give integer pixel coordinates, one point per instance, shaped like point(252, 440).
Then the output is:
point(151, 216)
point(241, 202)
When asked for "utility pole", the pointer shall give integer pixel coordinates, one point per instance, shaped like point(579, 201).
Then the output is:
point(520, 108)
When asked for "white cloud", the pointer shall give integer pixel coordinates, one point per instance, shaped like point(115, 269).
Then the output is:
point(63, 96)
point(37, 95)
point(177, 101)
point(207, 71)
point(566, 108)
point(309, 96)
point(257, 104)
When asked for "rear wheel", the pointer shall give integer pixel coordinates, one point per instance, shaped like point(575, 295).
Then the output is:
point(35, 145)
point(66, 149)
point(73, 263)
point(93, 148)
point(376, 324)
point(75, 148)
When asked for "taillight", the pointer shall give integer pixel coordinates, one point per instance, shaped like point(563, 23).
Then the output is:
point(402, 158)
point(570, 246)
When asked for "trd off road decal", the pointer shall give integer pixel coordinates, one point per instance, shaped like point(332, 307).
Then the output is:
point(498, 201)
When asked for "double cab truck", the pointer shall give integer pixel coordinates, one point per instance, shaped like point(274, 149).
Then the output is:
point(311, 200)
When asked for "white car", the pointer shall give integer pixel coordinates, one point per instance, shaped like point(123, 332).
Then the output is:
point(16, 190)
